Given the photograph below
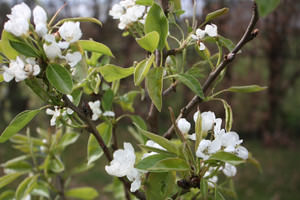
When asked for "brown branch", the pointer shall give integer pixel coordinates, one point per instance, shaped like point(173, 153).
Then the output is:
point(92, 128)
point(249, 34)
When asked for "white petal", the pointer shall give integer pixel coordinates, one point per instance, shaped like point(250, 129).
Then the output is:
point(192, 136)
point(242, 152)
point(202, 46)
point(211, 30)
point(183, 125)
point(229, 170)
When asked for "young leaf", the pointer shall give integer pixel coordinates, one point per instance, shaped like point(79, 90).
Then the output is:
point(26, 186)
point(112, 72)
point(192, 83)
point(160, 186)
point(154, 85)
point(149, 42)
point(150, 161)
point(144, 2)
point(167, 144)
point(41, 189)
point(7, 179)
point(227, 157)
point(9, 52)
point(246, 89)
point(93, 46)
point(60, 78)
point(157, 21)
point(23, 49)
point(215, 14)
point(153, 149)
point(170, 164)
point(142, 69)
point(56, 165)
point(36, 86)
point(204, 187)
point(226, 43)
point(19, 122)
point(86, 193)
point(107, 100)
point(228, 115)
point(126, 101)
point(67, 139)
point(265, 7)
point(7, 195)
point(218, 195)
point(94, 150)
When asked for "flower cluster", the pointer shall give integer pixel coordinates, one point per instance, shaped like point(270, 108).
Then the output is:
point(210, 29)
point(58, 112)
point(123, 165)
point(222, 141)
point(20, 69)
point(97, 112)
point(128, 12)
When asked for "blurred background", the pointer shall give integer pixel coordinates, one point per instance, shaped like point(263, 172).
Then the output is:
point(269, 121)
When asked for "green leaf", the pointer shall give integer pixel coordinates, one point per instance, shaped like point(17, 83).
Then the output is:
point(82, 193)
point(93, 46)
point(7, 195)
point(76, 94)
point(41, 190)
point(94, 150)
point(67, 139)
point(60, 78)
point(1, 77)
point(56, 165)
point(215, 14)
point(227, 157)
point(246, 89)
point(23, 49)
point(36, 86)
point(25, 187)
point(126, 101)
point(112, 72)
point(144, 2)
point(80, 19)
point(18, 164)
point(170, 164)
point(7, 179)
point(151, 161)
point(154, 85)
point(159, 186)
point(107, 100)
point(204, 187)
point(228, 116)
point(18, 123)
point(218, 195)
point(157, 21)
point(191, 82)
point(265, 7)
point(167, 144)
point(153, 149)
point(226, 43)
point(149, 42)
point(139, 121)
point(142, 69)
point(9, 52)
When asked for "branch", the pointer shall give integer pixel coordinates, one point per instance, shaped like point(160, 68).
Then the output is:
point(92, 128)
point(249, 35)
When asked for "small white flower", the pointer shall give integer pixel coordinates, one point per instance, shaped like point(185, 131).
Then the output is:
point(52, 51)
point(207, 118)
point(18, 23)
point(202, 150)
point(117, 11)
point(214, 146)
point(230, 140)
point(199, 34)
point(109, 114)
point(127, 3)
point(183, 125)
point(242, 152)
point(73, 58)
point(40, 20)
point(95, 107)
point(229, 170)
point(211, 30)
point(70, 31)
point(55, 114)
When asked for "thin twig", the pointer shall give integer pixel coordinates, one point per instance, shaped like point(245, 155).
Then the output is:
point(249, 34)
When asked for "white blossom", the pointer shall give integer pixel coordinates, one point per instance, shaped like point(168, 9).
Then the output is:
point(230, 140)
point(183, 125)
point(52, 51)
point(40, 20)
point(73, 58)
point(211, 30)
point(109, 114)
point(242, 152)
point(207, 118)
point(199, 35)
point(95, 107)
point(123, 165)
point(70, 31)
point(18, 23)
point(20, 69)
point(117, 11)
point(55, 114)
point(202, 150)
point(229, 170)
